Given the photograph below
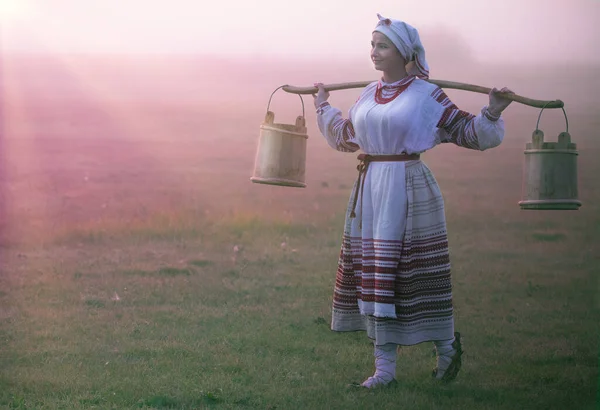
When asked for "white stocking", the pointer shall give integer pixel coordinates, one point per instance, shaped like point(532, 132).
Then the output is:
point(385, 366)
point(445, 353)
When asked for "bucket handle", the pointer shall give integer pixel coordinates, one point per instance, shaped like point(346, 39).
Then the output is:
point(540, 116)
point(285, 85)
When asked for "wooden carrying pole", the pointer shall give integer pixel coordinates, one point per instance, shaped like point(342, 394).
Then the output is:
point(440, 83)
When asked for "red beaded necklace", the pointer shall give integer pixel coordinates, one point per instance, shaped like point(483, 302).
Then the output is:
point(397, 88)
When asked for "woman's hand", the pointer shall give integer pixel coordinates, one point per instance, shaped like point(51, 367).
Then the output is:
point(321, 96)
point(498, 102)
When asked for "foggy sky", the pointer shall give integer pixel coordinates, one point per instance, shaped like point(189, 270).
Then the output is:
point(492, 31)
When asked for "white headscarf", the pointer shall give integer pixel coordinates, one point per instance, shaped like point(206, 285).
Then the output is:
point(407, 41)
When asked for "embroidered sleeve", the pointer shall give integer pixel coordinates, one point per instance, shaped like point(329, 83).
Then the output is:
point(466, 130)
point(338, 132)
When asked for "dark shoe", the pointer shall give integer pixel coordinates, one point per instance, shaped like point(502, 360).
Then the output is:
point(455, 365)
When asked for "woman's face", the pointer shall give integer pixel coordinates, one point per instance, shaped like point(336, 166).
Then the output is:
point(384, 54)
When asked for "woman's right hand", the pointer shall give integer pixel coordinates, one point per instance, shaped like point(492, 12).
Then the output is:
point(321, 96)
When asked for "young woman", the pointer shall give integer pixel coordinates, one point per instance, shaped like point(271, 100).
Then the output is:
point(393, 278)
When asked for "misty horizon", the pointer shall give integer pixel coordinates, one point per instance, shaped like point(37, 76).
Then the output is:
point(513, 31)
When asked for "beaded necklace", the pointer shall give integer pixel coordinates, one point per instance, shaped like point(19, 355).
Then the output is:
point(395, 89)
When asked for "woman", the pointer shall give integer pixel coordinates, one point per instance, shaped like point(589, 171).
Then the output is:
point(393, 278)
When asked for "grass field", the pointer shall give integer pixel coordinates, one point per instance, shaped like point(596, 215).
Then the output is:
point(140, 268)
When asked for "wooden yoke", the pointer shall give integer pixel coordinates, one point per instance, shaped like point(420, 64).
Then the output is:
point(440, 83)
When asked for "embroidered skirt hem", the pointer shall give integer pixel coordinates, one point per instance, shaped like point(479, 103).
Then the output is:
point(395, 258)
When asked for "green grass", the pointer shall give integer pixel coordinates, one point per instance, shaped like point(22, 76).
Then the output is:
point(253, 331)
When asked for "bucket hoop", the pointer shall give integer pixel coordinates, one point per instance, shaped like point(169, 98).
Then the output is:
point(280, 87)
point(540, 116)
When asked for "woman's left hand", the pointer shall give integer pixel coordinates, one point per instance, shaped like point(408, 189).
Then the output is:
point(498, 102)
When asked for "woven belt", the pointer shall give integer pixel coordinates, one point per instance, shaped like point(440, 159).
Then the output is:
point(363, 165)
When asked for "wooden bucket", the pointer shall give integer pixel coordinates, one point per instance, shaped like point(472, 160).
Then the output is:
point(281, 154)
point(550, 173)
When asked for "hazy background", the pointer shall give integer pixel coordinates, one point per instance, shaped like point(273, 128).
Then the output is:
point(198, 75)
point(500, 31)
point(193, 51)
point(129, 75)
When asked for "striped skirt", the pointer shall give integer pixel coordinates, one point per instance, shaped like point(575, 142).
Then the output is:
point(393, 278)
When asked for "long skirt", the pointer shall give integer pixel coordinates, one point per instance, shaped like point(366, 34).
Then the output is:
point(393, 278)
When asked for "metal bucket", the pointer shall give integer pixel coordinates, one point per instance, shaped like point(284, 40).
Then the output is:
point(281, 154)
point(550, 173)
